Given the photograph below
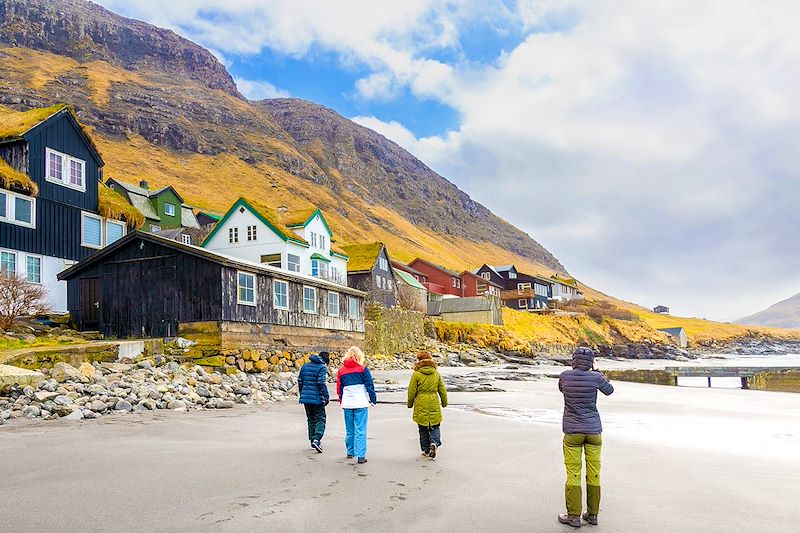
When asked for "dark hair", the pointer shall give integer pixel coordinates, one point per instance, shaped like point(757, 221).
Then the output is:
point(325, 357)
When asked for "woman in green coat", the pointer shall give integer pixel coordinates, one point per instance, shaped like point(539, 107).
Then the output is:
point(425, 393)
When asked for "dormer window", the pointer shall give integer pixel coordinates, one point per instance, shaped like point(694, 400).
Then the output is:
point(169, 209)
point(65, 170)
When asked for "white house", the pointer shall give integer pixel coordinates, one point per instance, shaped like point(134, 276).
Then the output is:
point(297, 242)
point(565, 289)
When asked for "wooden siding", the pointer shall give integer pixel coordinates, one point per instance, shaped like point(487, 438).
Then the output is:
point(264, 311)
point(60, 134)
point(16, 155)
point(147, 289)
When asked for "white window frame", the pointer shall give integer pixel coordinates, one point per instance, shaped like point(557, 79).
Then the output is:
point(338, 302)
point(66, 170)
point(41, 268)
point(6, 208)
point(186, 238)
point(522, 304)
point(167, 206)
point(115, 223)
point(84, 215)
point(233, 235)
point(11, 209)
point(512, 275)
point(486, 275)
point(238, 286)
point(351, 308)
point(289, 263)
point(275, 304)
point(252, 233)
point(155, 228)
point(314, 312)
point(16, 260)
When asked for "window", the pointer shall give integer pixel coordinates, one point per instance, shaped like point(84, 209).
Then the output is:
point(246, 289)
point(155, 229)
point(169, 209)
point(273, 260)
point(281, 290)
point(458, 283)
point(251, 233)
point(114, 231)
point(91, 231)
point(33, 268)
point(333, 303)
point(389, 284)
point(8, 263)
point(541, 290)
point(23, 210)
point(233, 235)
point(383, 264)
point(293, 262)
point(310, 300)
point(17, 209)
point(453, 281)
point(523, 304)
point(353, 307)
point(522, 286)
point(486, 275)
point(313, 239)
point(76, 173)
point(319, 268)
point(186, 238)
point(512, 275)
point(322, 241)
point(379, 282)
point(65, 170)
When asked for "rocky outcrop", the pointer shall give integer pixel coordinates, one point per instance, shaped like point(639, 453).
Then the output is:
point(86, 31)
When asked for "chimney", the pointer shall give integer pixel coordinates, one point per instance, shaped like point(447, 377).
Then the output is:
point(144, 185)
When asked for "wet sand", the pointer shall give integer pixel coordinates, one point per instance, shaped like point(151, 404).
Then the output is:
point(674, 459)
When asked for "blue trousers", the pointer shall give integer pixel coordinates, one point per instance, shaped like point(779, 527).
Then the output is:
point(355, 423)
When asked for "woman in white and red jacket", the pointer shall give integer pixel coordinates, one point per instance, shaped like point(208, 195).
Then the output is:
point(356, 393)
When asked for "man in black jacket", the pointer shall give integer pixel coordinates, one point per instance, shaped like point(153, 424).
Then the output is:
point(313, 389)
point(582, 433)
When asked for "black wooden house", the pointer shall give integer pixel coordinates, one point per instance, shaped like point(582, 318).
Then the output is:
point(145, 285)
point(54, 221)
point(369, 269)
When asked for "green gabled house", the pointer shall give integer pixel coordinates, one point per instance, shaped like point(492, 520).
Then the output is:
point(162, 208)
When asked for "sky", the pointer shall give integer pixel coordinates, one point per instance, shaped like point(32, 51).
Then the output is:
point(651, 146)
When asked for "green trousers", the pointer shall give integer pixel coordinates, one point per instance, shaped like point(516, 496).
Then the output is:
point(574, 447)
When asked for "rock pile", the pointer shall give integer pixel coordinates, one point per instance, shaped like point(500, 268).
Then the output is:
point(93, 390)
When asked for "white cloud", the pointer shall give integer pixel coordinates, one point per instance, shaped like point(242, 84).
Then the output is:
point(259, 90)
point(650, 145)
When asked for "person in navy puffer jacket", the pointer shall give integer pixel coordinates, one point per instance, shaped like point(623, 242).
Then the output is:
point(311, 384)
point(356, 393)
point(582, 434)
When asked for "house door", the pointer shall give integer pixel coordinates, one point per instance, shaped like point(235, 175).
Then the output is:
point(90, 303)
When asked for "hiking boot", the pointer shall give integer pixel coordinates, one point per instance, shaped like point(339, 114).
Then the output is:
point(425, 454)
point(574, 521)
point(350, 456)
point(317, 446)
point(362, 460)
point(591, 518)
point(432, 451)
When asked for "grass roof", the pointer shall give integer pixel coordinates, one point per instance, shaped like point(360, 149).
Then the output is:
point(112, 204)
point(15, 124)
point(299, 217)
point(338, 250)
point(362, 256)
point(271, 216)
point(14, 180)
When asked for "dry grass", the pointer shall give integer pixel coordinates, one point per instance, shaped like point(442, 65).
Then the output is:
point(12, 179)
point(362, 256)
point(112, 205)
point(701, 331)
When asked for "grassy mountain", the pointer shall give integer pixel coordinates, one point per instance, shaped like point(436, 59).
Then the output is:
point(164, 108)
point(784, 314)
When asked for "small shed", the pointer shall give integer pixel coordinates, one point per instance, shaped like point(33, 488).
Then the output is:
point(679, 334)
point(470, 310)
point(145, 285)
point(661, 309)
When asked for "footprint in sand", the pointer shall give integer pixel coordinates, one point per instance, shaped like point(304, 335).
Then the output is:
point(221, 520)
point(333, 483)
point(398, 497)
point(203, 516)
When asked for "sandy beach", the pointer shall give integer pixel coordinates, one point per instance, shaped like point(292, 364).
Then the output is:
point(675, 459)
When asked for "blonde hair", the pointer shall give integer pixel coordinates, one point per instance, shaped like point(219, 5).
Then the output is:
point(355, 353)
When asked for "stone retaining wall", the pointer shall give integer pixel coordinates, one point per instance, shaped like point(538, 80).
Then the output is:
point(653, 377)
point(390, 331)
point(269, 336)
point(784, 381)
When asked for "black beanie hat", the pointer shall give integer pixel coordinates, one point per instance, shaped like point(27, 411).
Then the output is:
point(325, 357)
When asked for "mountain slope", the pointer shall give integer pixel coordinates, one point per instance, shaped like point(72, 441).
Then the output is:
point(784, 314)
point(162, 107)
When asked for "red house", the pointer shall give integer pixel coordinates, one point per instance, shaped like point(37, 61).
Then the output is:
point(475, 285)
point(440, 280)
point(419, 276)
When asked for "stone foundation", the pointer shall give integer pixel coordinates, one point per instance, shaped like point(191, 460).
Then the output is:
point(269, 336)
